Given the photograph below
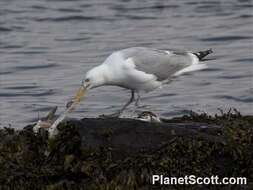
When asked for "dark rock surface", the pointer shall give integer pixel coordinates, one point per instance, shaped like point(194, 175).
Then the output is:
point(128, 136)
point(124, 153)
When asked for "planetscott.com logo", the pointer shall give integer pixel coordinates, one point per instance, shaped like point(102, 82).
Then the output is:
point(193, 180)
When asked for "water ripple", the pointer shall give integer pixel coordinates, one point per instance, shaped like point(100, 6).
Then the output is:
point(226, 38)
point(234, 76)
point(11, 46)
point(30, 94)
point(72, 39)
point(72, 18)
point(28, 52)
point(31, 67)
point(136, 17)
point(237, 99)
point(38, 7)
point(5, 72)
point(212, 69)
point(248, 60)
point(20, 87)
point(155, 7)
point(246, 16)
point(5, 29)
point(70, 10)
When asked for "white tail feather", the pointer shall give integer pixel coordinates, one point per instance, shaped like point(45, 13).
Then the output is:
point(191, 68)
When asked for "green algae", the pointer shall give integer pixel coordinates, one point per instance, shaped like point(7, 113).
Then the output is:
point(29, 161)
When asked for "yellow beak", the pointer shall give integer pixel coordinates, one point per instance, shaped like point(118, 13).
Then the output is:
point(79, 94)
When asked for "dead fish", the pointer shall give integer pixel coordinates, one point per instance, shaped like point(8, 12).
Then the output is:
point(45, 122)
point(50, 123)
point(148, 117)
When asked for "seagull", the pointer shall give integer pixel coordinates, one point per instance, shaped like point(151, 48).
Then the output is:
point(142, 69)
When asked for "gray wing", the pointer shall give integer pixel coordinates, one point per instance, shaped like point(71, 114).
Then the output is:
point(157, 62)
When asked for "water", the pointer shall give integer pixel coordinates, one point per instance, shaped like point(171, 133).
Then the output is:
point(46, 47)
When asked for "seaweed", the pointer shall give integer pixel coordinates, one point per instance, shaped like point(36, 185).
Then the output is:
point(124, 153)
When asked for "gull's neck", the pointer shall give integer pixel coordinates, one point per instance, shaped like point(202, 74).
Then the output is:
point(103, 74)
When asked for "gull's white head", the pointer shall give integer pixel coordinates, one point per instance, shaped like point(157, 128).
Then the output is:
point(95, 77)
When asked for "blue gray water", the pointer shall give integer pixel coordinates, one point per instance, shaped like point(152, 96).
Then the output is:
point(46, 46)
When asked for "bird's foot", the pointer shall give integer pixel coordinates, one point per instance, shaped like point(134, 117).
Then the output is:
point(114, 115)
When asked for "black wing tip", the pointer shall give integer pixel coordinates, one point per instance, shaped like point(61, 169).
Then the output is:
point(202, 54)
point(209, 51)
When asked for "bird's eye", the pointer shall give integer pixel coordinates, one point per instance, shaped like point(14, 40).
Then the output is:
point(87, 80)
